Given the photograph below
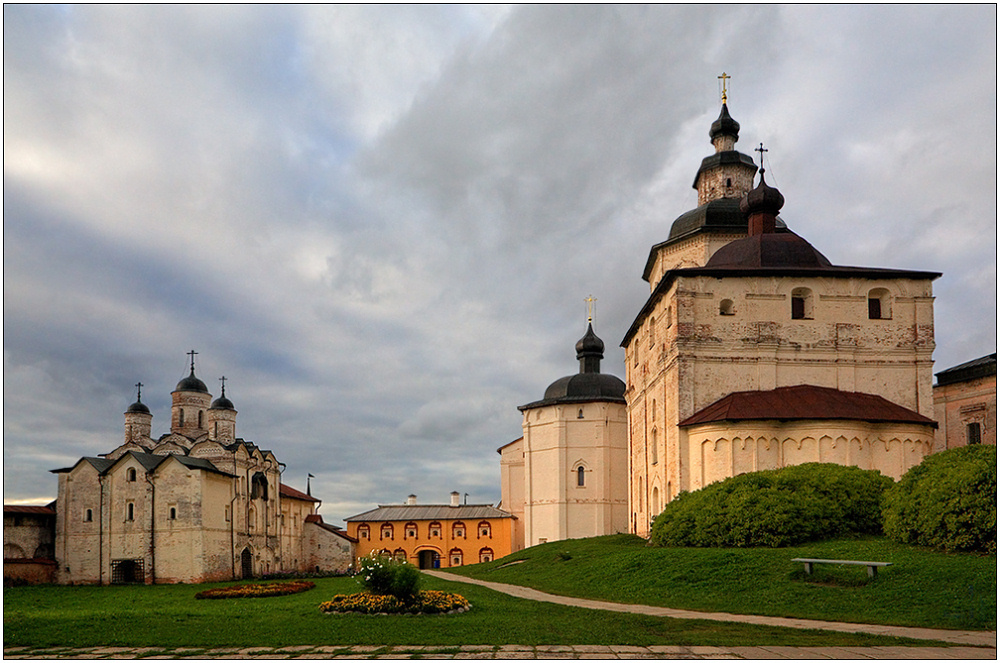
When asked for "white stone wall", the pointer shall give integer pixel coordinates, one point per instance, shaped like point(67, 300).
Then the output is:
point(687, 355)
point(557, 441)
point(512, 488)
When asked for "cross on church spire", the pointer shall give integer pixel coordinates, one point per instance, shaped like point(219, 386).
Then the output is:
point(138, 397)
point(590, 307)
point(223, 381)
point(724, 77)
point(761, 149)
point(192, 353)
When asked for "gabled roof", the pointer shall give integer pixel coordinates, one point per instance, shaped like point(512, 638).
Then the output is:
point(977, 368)
point(805, 402)
point(317, 520)
point(429, 512)
point(288, 491)
point(149, 462)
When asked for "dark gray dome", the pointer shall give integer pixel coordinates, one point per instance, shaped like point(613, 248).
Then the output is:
point(222, 403)
point(139, 407)
point(585, 387)
point(191, 383)
point(725, 125)
point(768, 250)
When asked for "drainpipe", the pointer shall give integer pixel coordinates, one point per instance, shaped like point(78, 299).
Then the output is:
point(152, 529)
point(100, 535)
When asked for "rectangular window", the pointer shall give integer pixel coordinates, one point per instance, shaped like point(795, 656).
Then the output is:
point(798, 308)
point(973, 433)
point(130, 511)
point(874, 308)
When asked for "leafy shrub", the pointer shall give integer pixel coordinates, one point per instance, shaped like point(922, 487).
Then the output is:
point(949, 501)
point(386, 575)
point(427, 603)
point(256, 590)
point(775, 508)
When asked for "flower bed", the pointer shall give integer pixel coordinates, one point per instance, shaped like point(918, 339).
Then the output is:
point(256, 590)
point(423, 603)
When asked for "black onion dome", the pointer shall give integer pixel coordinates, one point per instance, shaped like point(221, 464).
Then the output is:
point(222, 403)
point(191, 383)
point(139, 407)
point(784, 249)
point(725, 125)
point(762, 198)
point(590, 344)
point(589, 384)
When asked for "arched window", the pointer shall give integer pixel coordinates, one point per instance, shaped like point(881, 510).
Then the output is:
point(802, 304)
point(485, 555)
point(652, 331)
point(88, 516)
point(484, 529)
point(580, 414)
point(458, 530)
point(130, 474)
point(364, 531)
point(180, 418)
point(130, 511)
point(173, 513)
point(258, 487)
point(386, 532)
point(399, 554)
point(670, 316)
point(455, 557)
point(655, 503)
point(879, 304)
point(581, 478)
point(434, 530)
point(410, 531)
point(726, 307)
point(654, 449)
point(200, 413)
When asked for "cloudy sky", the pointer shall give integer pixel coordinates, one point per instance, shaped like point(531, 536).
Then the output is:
point(380, 223)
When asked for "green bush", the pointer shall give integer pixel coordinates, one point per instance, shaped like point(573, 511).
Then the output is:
point(383, 574)
point(949, 502)
point(775, 508)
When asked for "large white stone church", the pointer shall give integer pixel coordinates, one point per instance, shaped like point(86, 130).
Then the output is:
point(197, 504)
point(753, 352)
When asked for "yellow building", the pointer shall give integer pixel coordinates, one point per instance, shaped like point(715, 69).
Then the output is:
point(434, 536)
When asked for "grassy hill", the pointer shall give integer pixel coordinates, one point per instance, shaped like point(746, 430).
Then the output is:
point(922, 588)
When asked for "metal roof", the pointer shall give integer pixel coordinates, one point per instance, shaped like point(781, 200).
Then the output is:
point(805, 402)
point(429, 512)
point(288, 491)
point(977, 368)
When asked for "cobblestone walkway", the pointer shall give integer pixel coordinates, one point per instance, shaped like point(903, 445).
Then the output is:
point(504, 652)
point(973, 638)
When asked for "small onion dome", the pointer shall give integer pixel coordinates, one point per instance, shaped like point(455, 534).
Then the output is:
point(191, 383)
point(222, 403)
point(763, 198)
point(590, 345)
point(139, 407)
point(725, 125)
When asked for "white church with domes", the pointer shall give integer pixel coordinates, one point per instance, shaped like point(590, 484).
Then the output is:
point(752, 352)
point(197, 504)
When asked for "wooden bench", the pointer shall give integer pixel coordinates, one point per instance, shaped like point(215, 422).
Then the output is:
point(872, 566)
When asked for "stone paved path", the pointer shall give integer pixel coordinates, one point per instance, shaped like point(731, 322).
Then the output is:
point(504, 652)
point(973, 638)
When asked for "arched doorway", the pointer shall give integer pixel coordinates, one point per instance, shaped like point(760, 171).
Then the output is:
point(428, 559)
point(246, 563)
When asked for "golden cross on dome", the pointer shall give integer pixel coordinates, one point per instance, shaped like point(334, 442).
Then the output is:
point(724, 77)
point(590, 307)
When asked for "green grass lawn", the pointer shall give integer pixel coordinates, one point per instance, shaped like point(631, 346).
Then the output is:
point(169, 616)
point(922, 588)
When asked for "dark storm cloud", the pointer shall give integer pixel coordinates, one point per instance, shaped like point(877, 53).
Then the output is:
point(380, 223)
